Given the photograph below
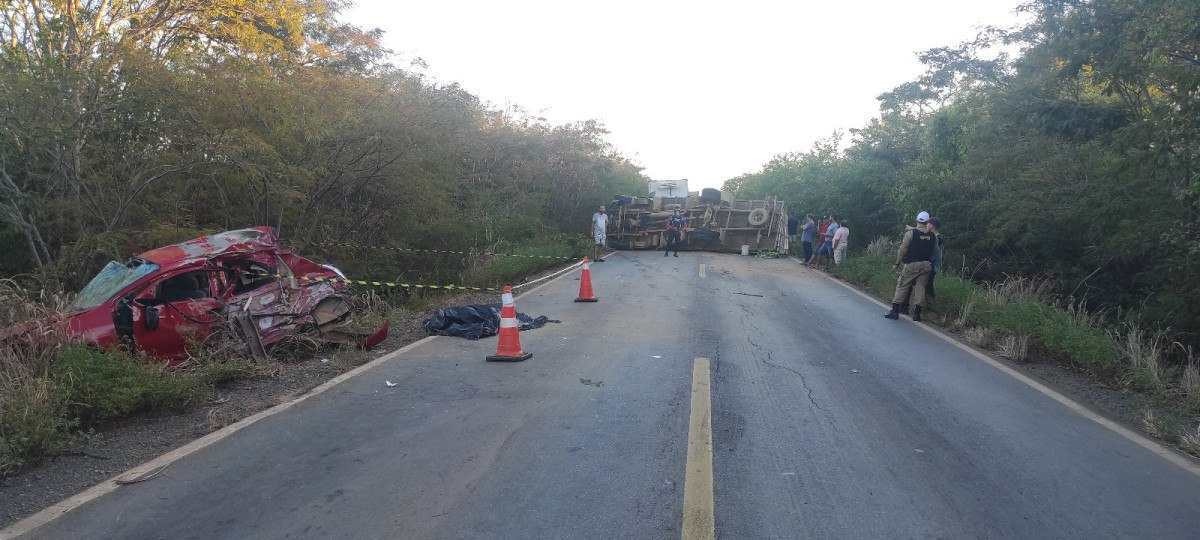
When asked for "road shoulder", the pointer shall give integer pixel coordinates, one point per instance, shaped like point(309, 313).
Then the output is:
point(1114, 410)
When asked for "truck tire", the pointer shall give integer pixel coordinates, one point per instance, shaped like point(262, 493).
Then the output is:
point(758, 217)
point(710, 195)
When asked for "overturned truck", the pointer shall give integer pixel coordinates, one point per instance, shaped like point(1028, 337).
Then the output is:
point(715, 222)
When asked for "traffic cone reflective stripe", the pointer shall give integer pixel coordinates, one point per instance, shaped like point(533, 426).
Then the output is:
point(508, 348)
point(585, 283)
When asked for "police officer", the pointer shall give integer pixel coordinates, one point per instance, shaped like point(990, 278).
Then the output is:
point(914, 260)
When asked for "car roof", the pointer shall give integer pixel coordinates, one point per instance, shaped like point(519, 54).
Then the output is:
point(213, 245)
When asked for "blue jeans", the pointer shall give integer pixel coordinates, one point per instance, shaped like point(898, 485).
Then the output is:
point(807, 251)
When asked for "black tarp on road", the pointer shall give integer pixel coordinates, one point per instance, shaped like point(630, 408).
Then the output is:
point(476, 321)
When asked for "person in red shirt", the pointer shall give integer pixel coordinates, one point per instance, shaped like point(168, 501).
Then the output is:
point(822, 230)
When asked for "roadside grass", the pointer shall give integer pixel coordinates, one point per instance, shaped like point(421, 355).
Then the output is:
point(43, 409)
point(516, 260)
point(499, 264)
point(1019, 318)
point(52, 391)
point(102, 385)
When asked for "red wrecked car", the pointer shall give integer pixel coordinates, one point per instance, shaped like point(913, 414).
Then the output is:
point(237, 289)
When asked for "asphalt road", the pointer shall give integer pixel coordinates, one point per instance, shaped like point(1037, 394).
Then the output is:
point(828, 421)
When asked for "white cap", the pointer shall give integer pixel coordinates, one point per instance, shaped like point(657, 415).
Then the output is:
point(923, 217)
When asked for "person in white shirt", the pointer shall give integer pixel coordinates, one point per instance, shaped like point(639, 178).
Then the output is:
point(841, 238)
point(599, 233)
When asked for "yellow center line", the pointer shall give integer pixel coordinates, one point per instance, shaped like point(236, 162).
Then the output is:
point(698, 521)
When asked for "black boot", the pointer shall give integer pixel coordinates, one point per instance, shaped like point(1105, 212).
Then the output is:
point(916, 313)
point(894, 313)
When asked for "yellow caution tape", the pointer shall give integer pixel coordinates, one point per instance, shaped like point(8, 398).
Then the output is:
point(439, 251)
point(373, 283)
point(393, 284)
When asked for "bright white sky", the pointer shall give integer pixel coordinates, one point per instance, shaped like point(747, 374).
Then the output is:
point(696, 90)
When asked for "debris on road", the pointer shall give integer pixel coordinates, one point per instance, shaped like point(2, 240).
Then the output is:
point(476, 321)
point(390, 384)
point(748, 294)
point(656, 356)
point(590, 382)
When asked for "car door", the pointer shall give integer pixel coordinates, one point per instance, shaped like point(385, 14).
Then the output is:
point(175, 312)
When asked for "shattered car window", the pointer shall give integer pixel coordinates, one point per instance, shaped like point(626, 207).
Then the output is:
point(111, 279)
point(250, 275)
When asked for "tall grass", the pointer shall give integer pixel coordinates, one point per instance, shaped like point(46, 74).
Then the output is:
point(1016, 313)
point(882, 246)
point(1189, 380)
point(1143, 355)
point(50, 387)
point(513, 261)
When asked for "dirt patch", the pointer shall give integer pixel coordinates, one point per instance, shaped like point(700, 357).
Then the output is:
point(126, 443)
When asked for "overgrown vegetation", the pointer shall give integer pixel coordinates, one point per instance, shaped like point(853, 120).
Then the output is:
point(126, 126)
point(51, 391)
point(218, 114)
point(1068, 148)
point(42, 408)
point(1022, 320)
point(1065, 150)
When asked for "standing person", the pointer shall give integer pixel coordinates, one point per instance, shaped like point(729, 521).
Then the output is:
point(914, 261)
point(841, 239)
point(675, 226)
point(599, 233)
point(938, 251)
point(807, 232)
point(825, 252)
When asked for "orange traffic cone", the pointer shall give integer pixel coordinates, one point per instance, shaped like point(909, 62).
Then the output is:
point(508, 349)
point(585, 284)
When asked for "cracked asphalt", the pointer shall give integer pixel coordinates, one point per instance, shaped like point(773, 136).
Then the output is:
point(828, 421)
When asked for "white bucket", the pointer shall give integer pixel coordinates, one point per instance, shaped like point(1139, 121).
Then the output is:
point(745, 250)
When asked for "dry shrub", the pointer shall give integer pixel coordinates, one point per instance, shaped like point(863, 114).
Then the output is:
point(1190, 441)
point(1015, 288)
point(1189, 380)
point(19, 305)
point(295, 348)
point(979, 336)
point(1080, 315)
point(963, 319)
point(34, 419)
point(372, 310)
point(219, 417)
point(1143, 356)
point(1153, 425)
point(882, 246)
point(1015, 347)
